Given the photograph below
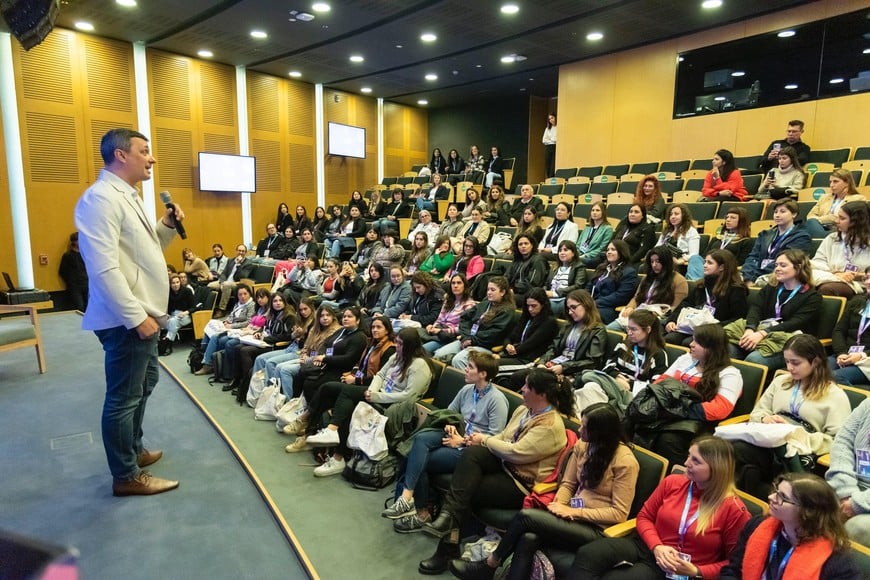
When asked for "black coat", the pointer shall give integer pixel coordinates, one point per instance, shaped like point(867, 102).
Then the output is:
point(640, 239)
point(576, 279)
point(532, 343)
point(589, 354)
point(425, 309)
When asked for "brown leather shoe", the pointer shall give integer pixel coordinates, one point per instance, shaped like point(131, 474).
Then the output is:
point(142, 484)
point(147, 458)
point(205, 370)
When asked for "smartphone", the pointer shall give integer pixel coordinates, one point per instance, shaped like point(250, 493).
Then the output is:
point(770, 174)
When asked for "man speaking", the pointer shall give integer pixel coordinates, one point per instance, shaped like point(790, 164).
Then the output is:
point(123, 254)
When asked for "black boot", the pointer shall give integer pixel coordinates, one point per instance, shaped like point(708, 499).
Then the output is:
point(442, 525)
point(471, 570)
point(437, 563)
point(230, 386)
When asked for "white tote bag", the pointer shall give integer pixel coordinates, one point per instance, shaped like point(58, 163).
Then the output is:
point(767, 435)
point(290, 411)
point(367, 431)
point(255, 387)
point(270, 402)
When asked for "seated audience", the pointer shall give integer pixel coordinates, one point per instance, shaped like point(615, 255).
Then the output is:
point(441, 260)
point(426, 226)
point(822, 218)
point(568, 276)
point(457, 300)
point(850, 362)
point(805, 396)
point(325, 325)
point(785, 179)
point(473, 200)
point(662, 290)
point(364, 251)
point(351, 227)
point(217, 262)
point(648, 195)
point(496, 209)
point(374, 285)
point(452, 224)
point(637, 232)
point(724, 182)
point(562, 229)
point(240, 267)
point(426, 300)
point(194, 266)
point(849, 474)
point(528, 269)
point(181, 305)
point(474, 228)
point(420, 252)
point(792, 139)
point(688, 527)
point(428, 197)
point(532, 334)
point(396, 208)
point(356, 200)
point(734, 235)
point(455, 165)
point(494, 168)
point(785, 234)
point(526, 199)
point(596, 491)
point(395, 296)
point(595, 236)
point(614, 281)
point(845, 253)
point(270, 243)
point(388, 252)
point(237, 318)
point(683, 240)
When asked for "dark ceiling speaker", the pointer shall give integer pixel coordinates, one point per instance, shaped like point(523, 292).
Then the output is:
point(29, 21)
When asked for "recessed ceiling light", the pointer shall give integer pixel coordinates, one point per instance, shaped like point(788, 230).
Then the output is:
point(532, 79)
point(431, 77)
point(786, 34)
point(428, 37)
point(790, 87)
point(205, 53)
point(835, 81)
point(126, 3)
point(295, 74)
point(710, 4)
point(718, 98)
point(400, 46)
point(594, 36)
point(510, 9)
point(321, 7)
point(509, 58)
point(478, 66)
point(356, 58)
point(422, 102)
point(365, 90)
point(86, 26)
point(522, 90)
point(259, 34)
point(680, 59)
point(866, 51)
point(738, 73)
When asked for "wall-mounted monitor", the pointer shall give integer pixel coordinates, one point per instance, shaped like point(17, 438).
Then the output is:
point(221, 172)
point(347, 141)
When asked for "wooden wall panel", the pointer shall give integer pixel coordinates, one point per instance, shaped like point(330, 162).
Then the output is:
point(71, 89)
point(406, 131)
point(344, 174)
point(618, 108)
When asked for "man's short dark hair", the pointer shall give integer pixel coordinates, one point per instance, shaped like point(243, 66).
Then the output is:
point(797, 122)
point(485, 363)
point(117, 139)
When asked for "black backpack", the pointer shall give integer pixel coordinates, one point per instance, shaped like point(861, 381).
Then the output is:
point(364, 473)
point(194, 359)
point(164, 347)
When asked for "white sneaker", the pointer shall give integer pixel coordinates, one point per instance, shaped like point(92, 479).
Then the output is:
point(326, 437)
point(299, 445)
point(296, 427)
point(332, 466)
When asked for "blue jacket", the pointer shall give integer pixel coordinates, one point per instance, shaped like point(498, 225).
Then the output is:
point(796, 238)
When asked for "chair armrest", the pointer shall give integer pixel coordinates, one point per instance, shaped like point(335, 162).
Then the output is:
point(824, 460)
point(621, 530)
point(200, 319)
point(735, 420)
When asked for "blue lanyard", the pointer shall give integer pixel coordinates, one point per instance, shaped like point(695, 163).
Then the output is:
point(365, 363)
point(638, 362)
point(649, 292)
point(591, 233)
point(573, 339)
point(835, 204)
point(709, 299)
point(684, 524)
point(529, 416)
point(778, 307)
point(525, 330)
point(777, 241)
point(476, 396)
point(795, 410)
point(338, 338)
point(785, 558)
point(685, 376)
point(865, 322)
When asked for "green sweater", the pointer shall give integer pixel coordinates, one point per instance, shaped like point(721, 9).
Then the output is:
point(438, 265)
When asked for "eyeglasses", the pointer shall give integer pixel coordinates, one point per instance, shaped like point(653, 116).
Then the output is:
point(573, 307)
point(778, 498)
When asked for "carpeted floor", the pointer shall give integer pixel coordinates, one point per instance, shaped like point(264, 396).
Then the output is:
point(56, 485)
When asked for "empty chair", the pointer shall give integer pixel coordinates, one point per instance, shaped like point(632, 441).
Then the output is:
point(676, 166)
point(632, 177)
point(755, 209)
point(604, 188)
point(617, 210)
point(694, 184)
point(701, 164)
point(812, 194)
point(662, 175)
point(575, 189)
point(550, 189)
point(644, 168)
point(694, 173)
point(604, 178)
point(752, 182)
point(389, 180)
point(404, 179)
point(566, 173)
point(703, 211)
point(820, 179)
point(620, 197)
point(862, 153)
point(626, 186)
point(615, 169)
point(670, 186)
point(747, 163)
point(589, 171)
point(835, 156)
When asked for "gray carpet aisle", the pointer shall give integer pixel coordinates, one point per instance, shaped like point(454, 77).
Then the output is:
point(56, 486)
point(339, 528)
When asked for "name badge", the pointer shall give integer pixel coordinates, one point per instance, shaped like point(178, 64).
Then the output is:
point(312, 353)
point(358, 374)
point(862, 462)
point(857, 348)
point(671, 575)
point(851, 268)
point(558, 360)
point(710, 309)
point(766, 263)
point(768, 323)
point(266, 253)
point(329, 351)
point(389, 386)
point(577, 502)
point(584, 248)
point(474, 329)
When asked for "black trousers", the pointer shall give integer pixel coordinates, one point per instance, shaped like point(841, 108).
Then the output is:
point(322, 401)
point(756, 468)
point(599, 558)
point(533, 528)
point(550, 159)
point(480, 481)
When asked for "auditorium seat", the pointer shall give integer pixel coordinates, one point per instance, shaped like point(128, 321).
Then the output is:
point(565, 173)
point(676, 166)
point(645, 168)
point(835, 156)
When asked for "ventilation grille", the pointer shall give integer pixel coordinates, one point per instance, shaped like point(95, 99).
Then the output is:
point(218, 88)
point(263, 102)
point(367, 116)
point(394, 125)
point(170, 86)
point(300, 109)
point(220, 143)
point(43, 131)
point(301, 168)
point(46, 73)
point(268, 154)
point(109, 73)
point(174, 165)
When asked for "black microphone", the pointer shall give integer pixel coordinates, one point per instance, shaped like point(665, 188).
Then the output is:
point(166, 198)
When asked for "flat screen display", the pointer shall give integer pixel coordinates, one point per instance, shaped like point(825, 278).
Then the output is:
point(347, 141)
point(221, 172)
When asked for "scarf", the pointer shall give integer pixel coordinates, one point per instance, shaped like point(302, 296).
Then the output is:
point(805, 563)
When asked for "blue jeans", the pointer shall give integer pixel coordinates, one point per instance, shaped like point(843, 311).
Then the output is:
point(695, 268)
point(287, 371)
point(427, 456)
point(849, 375)
point(212, 345)
point(176, 322)
point(432, 346)
point(773, 362)
point(384, 224)
point(460, 361)
point(131, 375)
point(815, 228)
point(425, 204)
point(333, 248)
point(268, 361)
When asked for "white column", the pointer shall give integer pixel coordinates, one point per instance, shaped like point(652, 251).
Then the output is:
point(143, 119)
point(319, 155)
point(242, 98)
point(15, 165)
point(380, 139)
